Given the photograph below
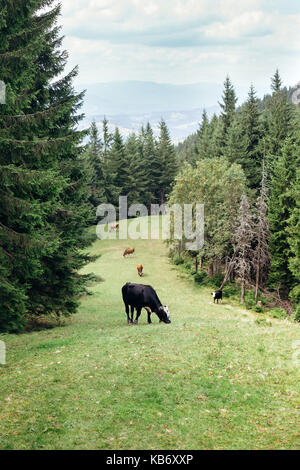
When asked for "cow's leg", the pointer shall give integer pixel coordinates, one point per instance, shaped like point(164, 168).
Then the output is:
point(138, 312)
point(132, 313)
point(149, 316)
point(127, 313)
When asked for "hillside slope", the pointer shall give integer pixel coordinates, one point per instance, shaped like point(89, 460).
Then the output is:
point(212, 379)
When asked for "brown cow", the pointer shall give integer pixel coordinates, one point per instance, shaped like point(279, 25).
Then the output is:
point(128, 251)
point(140, 269)
point(114, 227)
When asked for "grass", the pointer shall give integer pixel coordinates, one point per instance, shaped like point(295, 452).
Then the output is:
point(212, 379)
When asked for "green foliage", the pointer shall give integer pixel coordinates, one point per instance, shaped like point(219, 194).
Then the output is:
point(230, 290)
point(200, 277)
point(297, 313)
point(278, 312)
point(218, 185)
point(44, 206)
point(178, 260)
point(263, 322)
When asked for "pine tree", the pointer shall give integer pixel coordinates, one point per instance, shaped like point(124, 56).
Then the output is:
point(135, 188)
point(281, 206)
point(252, 134)
point(203, 149)
point(235, 143)
point(244, 236)
point(95, 166)
point(229, 101)
point(44, 200)
point(168, 163)
point(118, 162)
point(293, 230)
point(279, 121)
point(152, 165)
point(262, 235)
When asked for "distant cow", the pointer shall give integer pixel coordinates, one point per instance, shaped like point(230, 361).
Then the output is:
point(140, 269)
point(139, 296)
point(217, 295)
point(114, 227)
point(128, 251)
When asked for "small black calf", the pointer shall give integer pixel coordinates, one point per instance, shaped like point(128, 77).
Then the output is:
point(217, 295)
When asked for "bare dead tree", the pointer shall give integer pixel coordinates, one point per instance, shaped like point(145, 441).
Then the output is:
point(243, 237)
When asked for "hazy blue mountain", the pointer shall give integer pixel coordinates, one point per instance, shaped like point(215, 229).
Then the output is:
point(129, 104)
point(127, 97)
point(180, 123)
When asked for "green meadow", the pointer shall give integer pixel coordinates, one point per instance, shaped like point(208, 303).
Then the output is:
point(212, 379)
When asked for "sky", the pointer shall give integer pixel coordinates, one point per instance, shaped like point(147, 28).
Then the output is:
point(183, 41)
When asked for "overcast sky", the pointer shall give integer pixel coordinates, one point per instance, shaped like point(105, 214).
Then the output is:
point(183, 41)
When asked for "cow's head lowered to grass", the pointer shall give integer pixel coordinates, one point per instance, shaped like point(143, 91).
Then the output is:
point(138, 296)
point(164, 314)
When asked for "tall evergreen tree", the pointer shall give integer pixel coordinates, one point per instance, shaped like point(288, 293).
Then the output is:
point(227, 105)
point(44, 200)
point(281, 206)
point(279, 120)
point(252, 134)
point(168, 163)
point(262, 235)
point(152, 166)
point(95, 166)
point(136, 184)
point(118, 162)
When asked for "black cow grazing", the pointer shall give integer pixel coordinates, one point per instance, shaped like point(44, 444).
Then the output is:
point(217, 295)
point(139, 296)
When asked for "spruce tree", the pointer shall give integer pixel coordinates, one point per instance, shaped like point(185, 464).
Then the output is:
point(262, 236)
point(203, 149)
point(252, 134)
point(95, 166)
point(281, 206)
point(279, 121)
point(135, 187)
point(44, 200)
point(227, 105)
point(152, 166)
point(167, 159)
point(293, 238)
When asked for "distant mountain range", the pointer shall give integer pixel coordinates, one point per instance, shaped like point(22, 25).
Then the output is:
point(130, 104)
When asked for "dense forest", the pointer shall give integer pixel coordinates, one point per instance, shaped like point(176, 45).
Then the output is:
point(243, 164)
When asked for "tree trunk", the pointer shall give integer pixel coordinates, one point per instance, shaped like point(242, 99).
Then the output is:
point(242, 292)
point(200, 262)
point(257, 271)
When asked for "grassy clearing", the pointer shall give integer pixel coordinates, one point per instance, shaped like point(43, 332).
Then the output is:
point(212, 379)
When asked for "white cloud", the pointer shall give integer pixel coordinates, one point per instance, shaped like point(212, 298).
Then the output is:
point(181, 41)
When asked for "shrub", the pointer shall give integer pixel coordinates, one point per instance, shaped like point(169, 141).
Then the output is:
point(178, 260)
point(215, 280)
point(229, 290)
point(263, 322)
point(200, 277)
point(188, 265)
point(257, 309)
point(250, 301)
point(297, 313)
point(277, 313)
